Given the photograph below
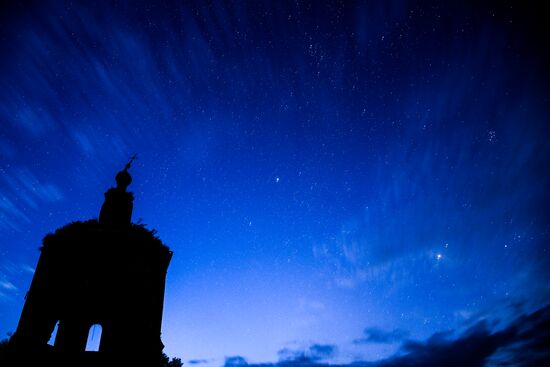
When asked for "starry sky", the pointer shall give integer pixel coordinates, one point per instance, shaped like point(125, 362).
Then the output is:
point(340, 182)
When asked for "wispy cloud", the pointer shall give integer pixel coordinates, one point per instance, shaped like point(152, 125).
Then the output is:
point(7, 289)
point(7, 285)
point(23, 191)
point(10, 215)
point(9, 273)
point(235, 361)
point(377, 335)
point(198, 361)
point(4, 297)
point(353, 263)
point(9, 267)
point(315, 352)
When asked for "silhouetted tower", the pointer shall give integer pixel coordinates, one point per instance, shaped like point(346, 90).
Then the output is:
point(109, 272)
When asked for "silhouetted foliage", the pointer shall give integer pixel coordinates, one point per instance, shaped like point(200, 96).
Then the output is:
point(167, 362)
point(92, 225)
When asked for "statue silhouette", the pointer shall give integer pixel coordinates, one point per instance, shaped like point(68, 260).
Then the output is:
point(118, 205)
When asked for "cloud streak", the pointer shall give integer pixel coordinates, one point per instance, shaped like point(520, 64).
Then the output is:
point(376, 335)
point(8, 272)
point(316, 352)
point(198, 361)
point(22, 190)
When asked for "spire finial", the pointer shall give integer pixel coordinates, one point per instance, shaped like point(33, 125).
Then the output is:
point(123, 178)
point(132, 158)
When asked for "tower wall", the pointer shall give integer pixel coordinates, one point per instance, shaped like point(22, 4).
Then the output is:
point(87, 274)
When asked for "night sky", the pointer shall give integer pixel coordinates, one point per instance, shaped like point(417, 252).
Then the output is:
point(340, 182)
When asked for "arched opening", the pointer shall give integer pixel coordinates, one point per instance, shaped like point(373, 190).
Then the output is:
point(94, 337)
point(53, 335)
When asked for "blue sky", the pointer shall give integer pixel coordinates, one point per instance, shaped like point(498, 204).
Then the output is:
point(323, 172)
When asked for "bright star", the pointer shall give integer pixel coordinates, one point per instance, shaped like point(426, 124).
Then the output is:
point(438, 256)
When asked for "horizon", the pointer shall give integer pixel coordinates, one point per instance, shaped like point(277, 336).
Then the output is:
point(340, 182)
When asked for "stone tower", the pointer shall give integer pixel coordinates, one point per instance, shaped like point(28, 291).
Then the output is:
point(108, 272)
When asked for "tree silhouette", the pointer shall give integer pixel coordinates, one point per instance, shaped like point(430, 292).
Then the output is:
point(167, 362)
